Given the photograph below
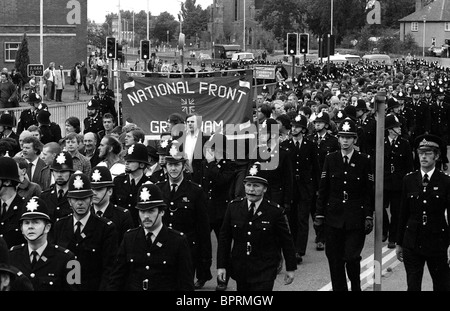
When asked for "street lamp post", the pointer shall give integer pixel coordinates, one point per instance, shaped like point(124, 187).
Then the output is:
point(243, 46)
point(423, 48)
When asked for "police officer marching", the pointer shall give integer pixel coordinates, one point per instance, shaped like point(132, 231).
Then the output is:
point(47, 265)
point(345, 205)
point(254, 234)
point(28, 116)
point(152, 257)
point(105, 102)
point(423, 231)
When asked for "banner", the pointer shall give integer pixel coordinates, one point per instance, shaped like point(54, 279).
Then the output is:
point(148, 101)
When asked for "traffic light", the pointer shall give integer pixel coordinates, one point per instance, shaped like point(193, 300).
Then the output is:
point(120, 57)
point(304, 43)
point(291, 43)
point(323, 45)
point(111, 47)
point(145, 49)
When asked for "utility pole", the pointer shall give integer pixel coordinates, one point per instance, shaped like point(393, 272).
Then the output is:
point(41, 46)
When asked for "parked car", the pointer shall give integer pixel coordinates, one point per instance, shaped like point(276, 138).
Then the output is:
point(204, 56)
point(378, 58)
point(242, 56)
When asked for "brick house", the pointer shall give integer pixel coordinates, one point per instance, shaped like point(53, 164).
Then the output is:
point(64, 31)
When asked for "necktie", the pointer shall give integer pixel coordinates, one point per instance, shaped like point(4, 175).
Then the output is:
point(425, 180)
point(319, 140)
point(251, 210)
point(30, 165)
point(174, 189)
point(148, 237)
point(3, 211)
point(346, 160)
point(99, 213)
point(60, 194)
point(297, 144)
point(133, 183)
point(78, 230)
point(34, 255)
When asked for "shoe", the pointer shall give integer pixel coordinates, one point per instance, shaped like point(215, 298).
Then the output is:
point(221, 286)
point(385, 237)
point(320, 246)
point(391, 245)
point(299, 259)
point(199, 284)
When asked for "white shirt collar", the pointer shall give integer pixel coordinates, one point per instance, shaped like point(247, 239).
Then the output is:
point(154, 232)
point(40, 250)
point(430, 173)
point(83, 221)
point(349, 156)
point(257, 204)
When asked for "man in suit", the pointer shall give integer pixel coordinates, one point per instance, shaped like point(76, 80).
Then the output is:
point(126, 185)
point(103, 186)
point(49, 153)
point(303, 156)
point(345, 204)
point(55, 196)
point(398, 162)
point(11, 204)
point(46, 264)
point(423, 231)
point(92, 239)
point(259, 232)
point(187, 212)
point(152, 257)
point(31, 150)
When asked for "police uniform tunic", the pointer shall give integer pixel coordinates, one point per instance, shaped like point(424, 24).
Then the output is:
point(50, 272)
point(106, 105)
point(121, 217)
point(253, 247)
point(93, 125)
point(57, 208)
point(165, 265)
point(9, 222)
point(27, 118)
point(95, 251)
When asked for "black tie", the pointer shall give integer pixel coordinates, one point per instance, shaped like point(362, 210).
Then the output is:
point(78, 231)
point(30, 165)
point(346, 160)
point(174, 189)
point(297, 144)
point(34, 254)
point(148, 237)
point(425, 180)
point(99, 213)
point(133, 183)
point(60, 194)
point(4, 205)
point(319, 140)
point(251, 211)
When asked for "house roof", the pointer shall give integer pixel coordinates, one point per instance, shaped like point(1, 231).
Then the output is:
point(437, 11)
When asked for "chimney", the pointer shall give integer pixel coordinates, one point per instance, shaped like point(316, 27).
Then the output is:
point(419, 5)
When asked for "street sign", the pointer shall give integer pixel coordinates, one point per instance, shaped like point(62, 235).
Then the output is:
point(265, 72)
point(36, 70)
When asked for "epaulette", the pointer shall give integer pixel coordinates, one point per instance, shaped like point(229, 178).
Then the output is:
point(237, 200)
point(195, 184)
point(175, 231)
point(48, 189)
point(274, 204)
point(15, 247)
point(133, 229)
point(410, 173)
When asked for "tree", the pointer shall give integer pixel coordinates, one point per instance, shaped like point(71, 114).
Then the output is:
point(165, 21)
point(195, 20)
point(282, 16)
point(23, 59)
point(96, 35)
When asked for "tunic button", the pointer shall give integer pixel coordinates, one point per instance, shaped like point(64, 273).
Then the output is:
point(171, 214)
point(57, 208)
point(51, 283)
point(250, 223)
point(425, 201)
point(345, 182)
point(170, 225)
point(345, 173)
point(171, 203)
point(147, 267)
point(32, 275)
point(148, 254)
point(249, 233)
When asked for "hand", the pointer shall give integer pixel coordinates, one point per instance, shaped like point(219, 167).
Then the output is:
point(318, 221)
point(221, 275)
point(368, 225)
point(289, 277)
point(399, 252)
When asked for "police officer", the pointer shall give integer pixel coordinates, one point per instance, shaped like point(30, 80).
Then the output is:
point(105, 101)
point(369, 125)
point(152, 257)
point(103, 186)
point(7, 123)
point(393, 107)
point(175, 72)
point(398, 162)
point(217, 182)
point(160, 173)
point(254, 233)
point(420, 115)
point(345, 205)
point(189, 70)
point(203, 69)
point(92, 239)
point(56, 195)
point(440, 115)
point(304, 161)
point(12, 205)
point(46, 264)
point(423, 232)
point(28, 116)
point(325, 144)
point(11, 278)
point(187, 213)
point(126, 185)
point(93, 122)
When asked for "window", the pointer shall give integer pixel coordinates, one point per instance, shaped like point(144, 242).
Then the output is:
point(414, 26)
point(447, 26)
point(11, 51)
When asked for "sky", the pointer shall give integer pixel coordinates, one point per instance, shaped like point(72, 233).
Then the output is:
point(98, 9)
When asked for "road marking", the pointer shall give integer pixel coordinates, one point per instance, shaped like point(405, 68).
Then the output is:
point(367, 269)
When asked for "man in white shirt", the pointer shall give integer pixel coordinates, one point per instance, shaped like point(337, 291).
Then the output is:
point(49, 78)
